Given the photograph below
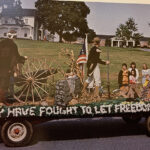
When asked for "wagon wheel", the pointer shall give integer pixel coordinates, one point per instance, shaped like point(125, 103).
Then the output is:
point(32, 84)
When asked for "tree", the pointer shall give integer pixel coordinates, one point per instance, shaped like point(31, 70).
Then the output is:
point(91, 35)
point(63, 17)
point(18, 4)
point(69, 37)
point(123, 32)
point(9, 3)
point(13, 10)
point(128, 30)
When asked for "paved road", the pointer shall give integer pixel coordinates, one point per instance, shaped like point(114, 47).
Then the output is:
point(88, 134)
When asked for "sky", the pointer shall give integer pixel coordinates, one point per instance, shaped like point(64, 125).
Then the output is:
point(104, 18)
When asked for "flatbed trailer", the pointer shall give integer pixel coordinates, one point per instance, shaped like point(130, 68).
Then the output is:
point(18, 121)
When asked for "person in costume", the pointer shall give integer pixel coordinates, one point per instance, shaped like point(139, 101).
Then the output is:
point(17, 70)
point(123, 80)
point(93, 69)
point(146, 88)
point(145, 71)
point(134, 91)
point(8, 60)
point(132, 77)
point(133, 67)
point(123, 77)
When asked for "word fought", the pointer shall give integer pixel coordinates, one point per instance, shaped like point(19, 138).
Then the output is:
point(70, 111)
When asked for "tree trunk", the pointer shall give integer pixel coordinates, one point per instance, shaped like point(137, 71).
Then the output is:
point(60, 38)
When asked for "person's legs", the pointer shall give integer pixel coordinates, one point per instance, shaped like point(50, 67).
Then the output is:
point(97, 77)
point(131, 92)
point(123, 91)
point(91, 84)
point(4, 84)
point(87, 83)
point(11, 86)
point(97, 80)
point(2, 93)
point(138, 91)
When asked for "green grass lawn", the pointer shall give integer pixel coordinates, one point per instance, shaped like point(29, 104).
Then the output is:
point(38, 49)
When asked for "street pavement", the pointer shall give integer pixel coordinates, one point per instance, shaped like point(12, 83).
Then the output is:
point(88, 134)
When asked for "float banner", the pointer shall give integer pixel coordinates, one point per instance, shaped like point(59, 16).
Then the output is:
point(94, 109)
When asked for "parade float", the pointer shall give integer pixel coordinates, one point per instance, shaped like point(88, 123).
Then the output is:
point(33, 102)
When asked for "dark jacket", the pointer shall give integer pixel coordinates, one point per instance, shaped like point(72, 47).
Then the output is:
point(93, 60)
point(120, 79)
point(8, 55)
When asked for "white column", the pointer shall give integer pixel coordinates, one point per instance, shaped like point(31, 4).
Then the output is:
point(112, 43)
point(42, 34)
point(127, 44)
point(133, 43)
point(31, 33)
point(20, 32)
point(118, 43)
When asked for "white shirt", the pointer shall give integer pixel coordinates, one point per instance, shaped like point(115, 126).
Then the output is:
point(145, 72)
point(137, 73)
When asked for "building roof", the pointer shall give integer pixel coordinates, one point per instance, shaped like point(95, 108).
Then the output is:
point(105, 36)
point(145, 39)
point(18, 12)
point(28, 12)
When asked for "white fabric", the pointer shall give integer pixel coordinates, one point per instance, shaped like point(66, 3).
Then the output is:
point(137, 74)
point(132, 79)
point(95, 78)
point(144, 73)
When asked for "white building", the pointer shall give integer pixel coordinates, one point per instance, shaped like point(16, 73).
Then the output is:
point(118, 42)
point(24, 24)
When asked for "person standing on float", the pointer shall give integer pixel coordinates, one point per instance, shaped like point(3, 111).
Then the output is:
point(93, 69)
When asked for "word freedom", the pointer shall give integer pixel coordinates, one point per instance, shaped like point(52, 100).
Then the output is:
point(74, 110)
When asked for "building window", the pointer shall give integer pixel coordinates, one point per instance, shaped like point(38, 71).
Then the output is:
point(25, 35)
point(5, 34)
point(26, 21)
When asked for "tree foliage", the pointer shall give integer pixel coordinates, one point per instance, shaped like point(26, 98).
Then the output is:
point(13, 10)
point(63, 17)
point(69, 36)
point(91, 35)
point(11, 3)
point(128, 30)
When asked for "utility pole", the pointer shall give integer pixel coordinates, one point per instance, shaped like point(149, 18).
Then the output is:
point(108, 79)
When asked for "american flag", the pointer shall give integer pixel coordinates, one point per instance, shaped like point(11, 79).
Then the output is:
point(82, 58)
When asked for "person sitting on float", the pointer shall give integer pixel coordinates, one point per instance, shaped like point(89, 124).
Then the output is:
point(146, 88)
point(145, 71)
point(133, 67)
point(134, 91)
point(123, 80)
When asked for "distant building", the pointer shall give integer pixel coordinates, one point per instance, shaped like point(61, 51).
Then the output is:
point(105, 40)
point(118, 42)
point(25, 26)
point(145, 42)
